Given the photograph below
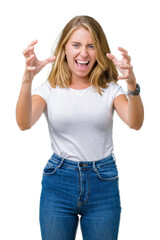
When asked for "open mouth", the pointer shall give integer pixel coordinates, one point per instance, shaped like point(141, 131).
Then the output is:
point(82, 64)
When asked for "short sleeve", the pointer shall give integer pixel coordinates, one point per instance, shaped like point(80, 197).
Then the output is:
point(118, 91)
point(42, 90)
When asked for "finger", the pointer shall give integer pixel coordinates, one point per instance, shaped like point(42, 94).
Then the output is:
point(29, 59)
point(112, 57)
point(125, 55)
point(122, 49)
point(30, 68)
point(49, 60)
point(129, 67)
point(33, 43)
point(123, 77)
point(28, 51)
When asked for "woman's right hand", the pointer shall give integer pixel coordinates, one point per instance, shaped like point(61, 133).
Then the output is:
point(33, 65)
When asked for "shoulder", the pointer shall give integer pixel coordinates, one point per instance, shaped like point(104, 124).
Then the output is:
point(43, 90)
point(113, 86)
point(114, 89)
point(44, 87)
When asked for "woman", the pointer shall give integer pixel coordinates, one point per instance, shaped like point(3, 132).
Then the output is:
point(78, 100)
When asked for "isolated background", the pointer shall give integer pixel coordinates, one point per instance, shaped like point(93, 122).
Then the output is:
point(132, 25)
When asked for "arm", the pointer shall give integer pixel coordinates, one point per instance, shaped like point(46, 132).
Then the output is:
point(30, 108)
point(130, 110)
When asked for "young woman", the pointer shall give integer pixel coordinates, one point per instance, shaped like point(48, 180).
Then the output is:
point(78, 100)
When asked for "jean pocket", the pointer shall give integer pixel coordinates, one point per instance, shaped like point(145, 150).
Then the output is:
point(50, 167)
point(107, 172)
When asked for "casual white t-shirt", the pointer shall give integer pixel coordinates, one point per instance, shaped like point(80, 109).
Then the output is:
point(80, 120)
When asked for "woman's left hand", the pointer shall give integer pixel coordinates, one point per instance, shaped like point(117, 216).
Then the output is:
point(124, 66)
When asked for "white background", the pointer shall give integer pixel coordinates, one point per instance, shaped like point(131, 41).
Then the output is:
point(133, 25)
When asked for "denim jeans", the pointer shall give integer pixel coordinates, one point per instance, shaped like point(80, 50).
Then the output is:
point(85, 190)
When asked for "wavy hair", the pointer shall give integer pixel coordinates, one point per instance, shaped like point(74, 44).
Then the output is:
point(103, 71)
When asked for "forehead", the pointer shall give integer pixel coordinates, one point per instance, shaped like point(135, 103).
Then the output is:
point(81, 34)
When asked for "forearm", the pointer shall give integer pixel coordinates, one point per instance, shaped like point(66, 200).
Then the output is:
point(135, 112)
point(131, 111)
point(24, 105)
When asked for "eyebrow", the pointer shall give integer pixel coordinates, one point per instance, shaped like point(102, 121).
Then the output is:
point(80, 43)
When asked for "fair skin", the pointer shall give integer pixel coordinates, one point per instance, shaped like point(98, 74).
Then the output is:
point(30, 108)
point(81, 56)
point(130, 110)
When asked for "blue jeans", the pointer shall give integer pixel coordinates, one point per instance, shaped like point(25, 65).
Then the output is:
point(86, 189)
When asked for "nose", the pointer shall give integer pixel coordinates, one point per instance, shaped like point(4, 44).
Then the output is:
point(84, 52)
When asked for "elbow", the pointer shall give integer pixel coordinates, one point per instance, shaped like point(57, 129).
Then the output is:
point(135, 126)
point(23, 127)
point(23, 124)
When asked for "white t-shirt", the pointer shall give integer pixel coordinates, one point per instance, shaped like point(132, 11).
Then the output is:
point(80, 120)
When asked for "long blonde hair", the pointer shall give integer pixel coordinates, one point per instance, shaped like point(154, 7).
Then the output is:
point(103, 71)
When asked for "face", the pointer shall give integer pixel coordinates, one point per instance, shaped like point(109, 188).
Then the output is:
point(80, 53)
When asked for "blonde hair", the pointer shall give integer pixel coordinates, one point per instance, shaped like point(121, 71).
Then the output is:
point(103, 71)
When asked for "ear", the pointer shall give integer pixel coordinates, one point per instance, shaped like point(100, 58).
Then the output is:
point(64, 55)
point(64, 52)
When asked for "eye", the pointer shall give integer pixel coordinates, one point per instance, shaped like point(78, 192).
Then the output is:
point(75, 45)
point(91, 46)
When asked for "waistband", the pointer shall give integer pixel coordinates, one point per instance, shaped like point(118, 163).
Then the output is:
point(83, 164)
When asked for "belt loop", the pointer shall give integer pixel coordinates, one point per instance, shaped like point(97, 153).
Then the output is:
point(114, 158)
point(94, 166)
point(79, 166)
point(61, 162)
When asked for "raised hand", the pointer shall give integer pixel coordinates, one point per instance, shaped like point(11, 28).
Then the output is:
point(33, 65)
point(124, 66)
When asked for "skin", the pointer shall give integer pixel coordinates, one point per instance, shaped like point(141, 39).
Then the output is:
point(80, 47)
point(129, 110)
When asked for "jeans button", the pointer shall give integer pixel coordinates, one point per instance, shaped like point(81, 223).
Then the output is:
point(81, 164)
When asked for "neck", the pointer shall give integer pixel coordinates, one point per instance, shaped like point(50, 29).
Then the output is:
point(80, 82)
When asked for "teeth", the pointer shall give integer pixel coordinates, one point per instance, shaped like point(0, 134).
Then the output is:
point(82, 62)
